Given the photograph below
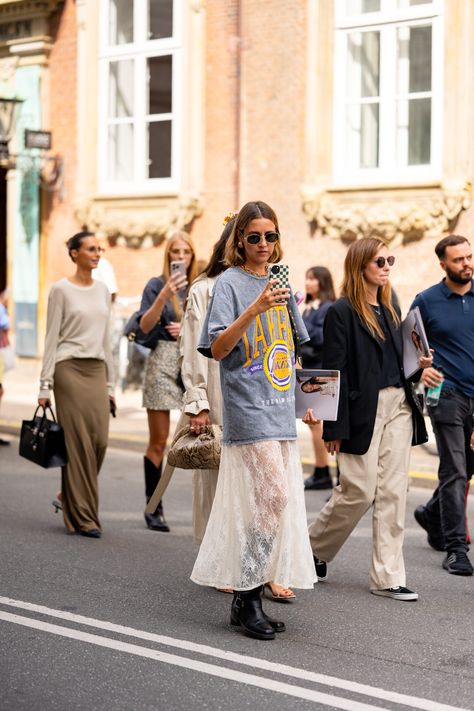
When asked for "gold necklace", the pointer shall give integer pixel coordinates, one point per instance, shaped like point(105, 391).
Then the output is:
point(249, 271)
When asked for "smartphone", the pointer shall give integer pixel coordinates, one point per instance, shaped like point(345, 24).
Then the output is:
point(179, 267)
point(113, 408)
point(280, 272)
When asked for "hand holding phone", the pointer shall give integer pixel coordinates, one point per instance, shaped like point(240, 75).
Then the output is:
point(179, 276)
point(280, 274)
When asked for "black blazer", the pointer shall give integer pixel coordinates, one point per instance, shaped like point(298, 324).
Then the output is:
point(350, 348)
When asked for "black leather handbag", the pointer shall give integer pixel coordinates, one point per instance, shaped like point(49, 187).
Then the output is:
point(42, 440)
point(134, 333)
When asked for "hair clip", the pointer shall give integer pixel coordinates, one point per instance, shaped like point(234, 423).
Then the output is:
point(230, 216)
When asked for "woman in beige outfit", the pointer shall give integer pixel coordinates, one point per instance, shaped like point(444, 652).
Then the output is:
point(77, 366)
point(202, 399)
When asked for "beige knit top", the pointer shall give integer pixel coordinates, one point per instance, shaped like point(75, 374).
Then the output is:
point(77, 326)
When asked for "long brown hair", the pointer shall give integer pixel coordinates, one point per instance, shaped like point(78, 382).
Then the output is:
point(192, 270)
point(354, 287)
point(234, 256)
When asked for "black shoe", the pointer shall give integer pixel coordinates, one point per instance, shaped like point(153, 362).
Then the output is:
point(4, 443)
point(435, 539)
point(321, 568)
point(277, 625)
point(319, 479)
point(398, 593)
point(457, 563)
point(92, 533)
point(246, 612)
point(157, 522)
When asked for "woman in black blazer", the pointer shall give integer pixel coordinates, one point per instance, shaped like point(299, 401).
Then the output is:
point(378, 419)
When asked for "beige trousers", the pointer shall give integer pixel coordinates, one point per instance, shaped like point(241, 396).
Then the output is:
point(378, 477)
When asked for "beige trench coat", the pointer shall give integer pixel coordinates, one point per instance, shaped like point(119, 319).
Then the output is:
point(202, 392)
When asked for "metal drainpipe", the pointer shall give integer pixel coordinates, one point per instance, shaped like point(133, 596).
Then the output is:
point(238, 68)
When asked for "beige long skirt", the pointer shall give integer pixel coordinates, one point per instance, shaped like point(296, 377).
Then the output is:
point(257, 528)
point(82, 404)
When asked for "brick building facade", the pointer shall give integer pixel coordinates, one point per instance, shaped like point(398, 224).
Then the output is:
point(342, 115)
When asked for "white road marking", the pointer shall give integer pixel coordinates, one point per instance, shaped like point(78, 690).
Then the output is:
point(223, 655)
point(192, 664)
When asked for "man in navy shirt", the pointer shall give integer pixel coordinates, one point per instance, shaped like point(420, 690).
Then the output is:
point(447, 310)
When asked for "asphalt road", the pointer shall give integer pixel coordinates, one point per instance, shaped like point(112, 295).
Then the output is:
point(117, 624)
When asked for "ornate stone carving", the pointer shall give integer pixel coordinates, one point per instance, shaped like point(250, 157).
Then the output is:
point(27, 8)
point(398, 217)
point(138, 225)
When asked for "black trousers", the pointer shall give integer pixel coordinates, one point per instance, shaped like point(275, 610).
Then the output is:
point(452, 422)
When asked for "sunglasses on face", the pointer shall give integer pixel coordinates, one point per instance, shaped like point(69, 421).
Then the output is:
point(380, 261)
point(255, 237)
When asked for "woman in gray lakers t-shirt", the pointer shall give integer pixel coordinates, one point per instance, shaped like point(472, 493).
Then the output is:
point(257, 528)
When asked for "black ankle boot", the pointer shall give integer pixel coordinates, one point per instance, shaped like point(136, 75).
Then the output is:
point(277, 625)
point(246, 611)
point(319, 479)
point(155, 521)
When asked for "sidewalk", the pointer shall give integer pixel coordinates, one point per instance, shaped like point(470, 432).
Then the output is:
point(129, 429)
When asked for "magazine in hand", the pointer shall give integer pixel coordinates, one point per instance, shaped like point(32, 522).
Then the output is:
point(415, 342)
point(319, 390)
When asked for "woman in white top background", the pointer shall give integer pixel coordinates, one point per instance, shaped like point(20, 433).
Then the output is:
point(77, 367)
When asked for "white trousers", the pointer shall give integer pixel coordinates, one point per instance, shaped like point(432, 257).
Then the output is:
point(378, 477)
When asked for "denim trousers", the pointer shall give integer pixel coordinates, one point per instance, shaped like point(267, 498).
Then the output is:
point(452, 421)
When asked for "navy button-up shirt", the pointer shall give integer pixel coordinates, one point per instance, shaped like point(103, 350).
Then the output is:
point(449, 323)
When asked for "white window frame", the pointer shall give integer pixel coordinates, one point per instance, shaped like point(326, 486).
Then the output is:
point(140, 50)
point(388, 20)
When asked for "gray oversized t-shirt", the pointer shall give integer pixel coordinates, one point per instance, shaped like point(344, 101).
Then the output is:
point(257, 377)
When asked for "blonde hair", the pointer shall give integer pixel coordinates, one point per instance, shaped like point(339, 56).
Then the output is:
point(234, 256)
point(354, 286)
point(192, 270)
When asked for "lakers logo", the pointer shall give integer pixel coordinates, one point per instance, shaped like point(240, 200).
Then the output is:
point(278, 366)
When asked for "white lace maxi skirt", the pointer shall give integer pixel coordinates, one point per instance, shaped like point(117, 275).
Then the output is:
point(257, 530)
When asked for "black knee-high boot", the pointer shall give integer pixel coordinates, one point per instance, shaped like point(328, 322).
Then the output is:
point(247, 612)
point(155, 521)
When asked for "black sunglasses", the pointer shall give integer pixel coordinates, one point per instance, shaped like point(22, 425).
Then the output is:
point(255, 237)
point(380, 261)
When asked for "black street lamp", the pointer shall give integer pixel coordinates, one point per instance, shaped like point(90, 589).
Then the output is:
point(8, 108)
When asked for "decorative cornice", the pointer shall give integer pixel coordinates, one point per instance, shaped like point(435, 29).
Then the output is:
point(138, 226)
point(395, 216)
point(22, 9)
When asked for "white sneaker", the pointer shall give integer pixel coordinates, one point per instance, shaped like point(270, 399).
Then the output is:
point(397, 593)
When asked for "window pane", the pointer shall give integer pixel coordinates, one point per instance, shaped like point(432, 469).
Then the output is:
point(160, 85)
point(419, 132)
point(362, 138)
point(121, 88)
point(353, 7)
point(120, 21)
point(159, 149)
point(160, 19)
point(420, 59)
point(120, 152)
point(370, 56)
point(364, 64)
point(369, 136)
